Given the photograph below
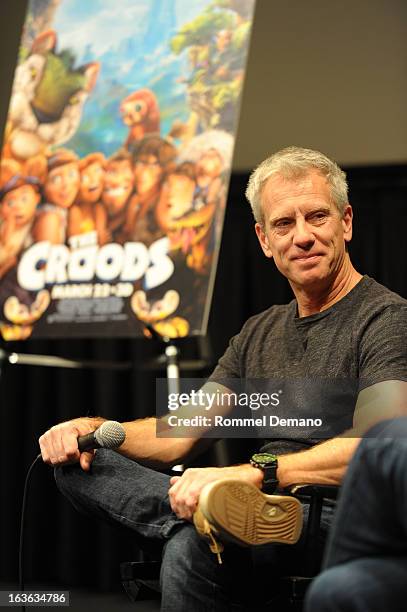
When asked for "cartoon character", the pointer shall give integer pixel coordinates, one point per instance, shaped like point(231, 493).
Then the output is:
point(187, 228)
point(212, 154)
point(116, 194)
point(192, 220)
point(209, 170)
point(222, 56)
point(88, 214)
point(47, 99)
point(140, 112)
point(155, 157)
point(23, 317)
point(177, 195)
point(157, 313)
point(19, 198)
point(21, 314)
point(60, 190)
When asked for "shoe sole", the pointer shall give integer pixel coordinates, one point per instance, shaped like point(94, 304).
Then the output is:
point(241, 512)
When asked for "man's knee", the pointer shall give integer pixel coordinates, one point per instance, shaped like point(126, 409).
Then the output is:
point(371, 583)
point(70, 482)
point(85, 489)
point(329, 592)
point(391, 428)
point(65, 478)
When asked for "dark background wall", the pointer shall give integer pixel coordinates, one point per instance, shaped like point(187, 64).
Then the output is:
point(326, 75)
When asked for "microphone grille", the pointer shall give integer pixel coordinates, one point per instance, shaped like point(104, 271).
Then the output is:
point(110, 434)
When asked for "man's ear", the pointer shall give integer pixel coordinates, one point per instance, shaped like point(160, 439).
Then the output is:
point(347, 220)
point(264, 241)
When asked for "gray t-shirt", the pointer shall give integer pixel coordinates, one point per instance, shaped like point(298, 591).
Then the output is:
point(324, 359)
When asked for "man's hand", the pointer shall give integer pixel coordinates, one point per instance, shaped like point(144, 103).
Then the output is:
point(185, 490)
point(59, 445)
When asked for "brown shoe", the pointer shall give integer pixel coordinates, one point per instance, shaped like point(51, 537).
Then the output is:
point(240, 512)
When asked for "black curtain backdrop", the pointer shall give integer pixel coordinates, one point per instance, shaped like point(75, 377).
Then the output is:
point(66, 548)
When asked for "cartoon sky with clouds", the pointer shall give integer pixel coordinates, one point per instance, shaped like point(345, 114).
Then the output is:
point(130, 39)
point(101, 23)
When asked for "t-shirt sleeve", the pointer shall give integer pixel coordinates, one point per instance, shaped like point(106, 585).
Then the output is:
point(229, 364)
point(383, 348)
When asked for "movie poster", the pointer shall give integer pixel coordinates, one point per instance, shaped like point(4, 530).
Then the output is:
point(115, 165)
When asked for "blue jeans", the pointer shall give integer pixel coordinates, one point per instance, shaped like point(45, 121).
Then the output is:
point(366, 556)
point(121, 490)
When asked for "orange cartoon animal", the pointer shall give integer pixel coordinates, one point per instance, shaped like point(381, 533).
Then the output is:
point(141, 113)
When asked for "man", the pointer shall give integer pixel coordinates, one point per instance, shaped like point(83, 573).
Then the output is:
point(341, 326)
point(366, 560)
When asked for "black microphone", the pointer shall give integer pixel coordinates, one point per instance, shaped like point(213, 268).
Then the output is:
point(110, 434)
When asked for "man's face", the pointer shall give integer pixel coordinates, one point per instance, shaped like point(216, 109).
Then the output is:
point(147, 173)
point(62, 184)
point(303, 230)
point(20, 204)
point(118, 186)
point(91, 186)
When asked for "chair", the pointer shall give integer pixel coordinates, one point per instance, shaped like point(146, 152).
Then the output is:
point(293, 588)
point(140, 579)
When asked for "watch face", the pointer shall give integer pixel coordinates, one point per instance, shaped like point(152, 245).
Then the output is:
point(264, 458)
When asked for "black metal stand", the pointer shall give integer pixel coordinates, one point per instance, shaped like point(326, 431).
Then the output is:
point(51, 361)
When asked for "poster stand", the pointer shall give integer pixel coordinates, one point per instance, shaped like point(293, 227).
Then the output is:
point(57, 362)
point(169, 358)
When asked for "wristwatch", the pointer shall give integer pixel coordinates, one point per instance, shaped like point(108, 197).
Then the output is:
point(268, 464)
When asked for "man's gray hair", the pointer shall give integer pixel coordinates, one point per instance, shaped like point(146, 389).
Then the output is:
point(293, 163)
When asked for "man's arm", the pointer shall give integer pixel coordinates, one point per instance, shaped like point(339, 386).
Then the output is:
point(326, 463)
point(59, 445)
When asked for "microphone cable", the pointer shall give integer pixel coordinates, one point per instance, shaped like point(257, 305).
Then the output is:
point(110, 434)
point(22, 525)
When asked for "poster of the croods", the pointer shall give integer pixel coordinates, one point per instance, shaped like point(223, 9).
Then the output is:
point(115, 165)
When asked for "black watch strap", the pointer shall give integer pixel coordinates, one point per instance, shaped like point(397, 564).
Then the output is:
point(268, 464)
